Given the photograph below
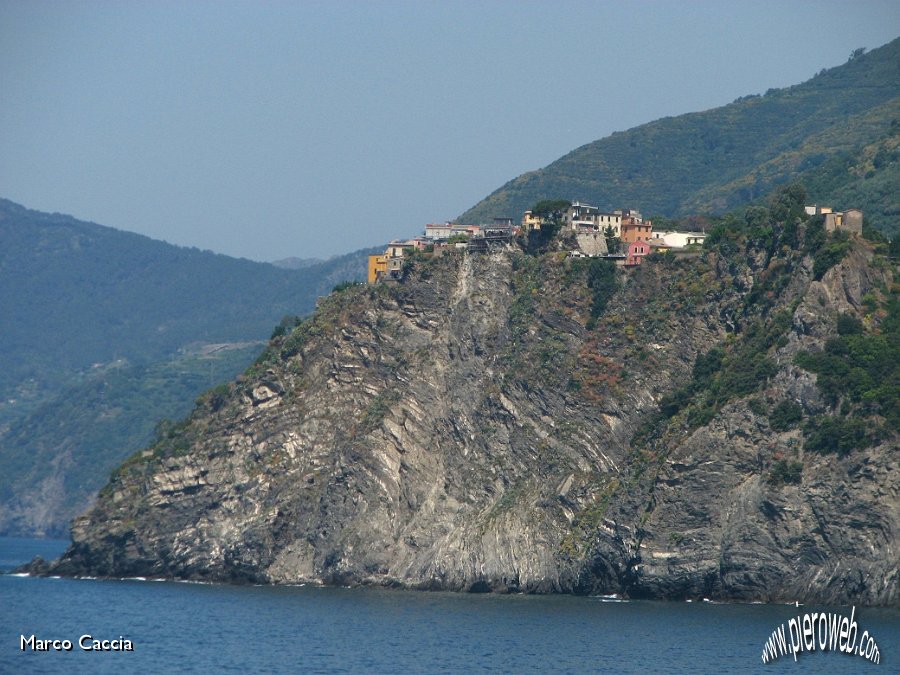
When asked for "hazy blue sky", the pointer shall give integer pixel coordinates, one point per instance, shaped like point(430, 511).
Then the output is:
point(272, 129)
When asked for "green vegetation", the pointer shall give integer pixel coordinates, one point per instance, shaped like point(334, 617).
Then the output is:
point(767, 238)
point(828, 434)
point(772, 231)
point(101, 331)
point(346, 285)
point(89, 428)
point(76, 294)
point(784, 472)
point(603, 282)
point(285, 326)
point(758, 407)
point(857, 369)
point(839, 125)
point(866, 177)
point(779, 230)
point(785, 416)
point(552, 212)
point(728, 372)
point(613, 243)
point(378, 409)
point(847, 324)
point(830, 254)
point(826, 249)
point(862, 370)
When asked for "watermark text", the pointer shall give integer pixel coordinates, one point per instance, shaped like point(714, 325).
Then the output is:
point(823, 631)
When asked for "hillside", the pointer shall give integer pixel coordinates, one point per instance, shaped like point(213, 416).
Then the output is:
point(56, 458)
point(102, 332)
point(869, 177)
point(513, 422)
point(75, 294)
point(716, 160)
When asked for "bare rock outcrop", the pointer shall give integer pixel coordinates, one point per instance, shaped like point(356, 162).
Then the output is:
point(471, 428)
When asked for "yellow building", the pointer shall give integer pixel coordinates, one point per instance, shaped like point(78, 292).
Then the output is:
point(531, 221)
point(658, 245)
point(377, 265)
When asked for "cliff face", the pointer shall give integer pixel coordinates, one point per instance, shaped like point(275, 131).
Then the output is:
point(473, 427)
point(716, 526)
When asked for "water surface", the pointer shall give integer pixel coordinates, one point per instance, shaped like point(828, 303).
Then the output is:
point(184, 627)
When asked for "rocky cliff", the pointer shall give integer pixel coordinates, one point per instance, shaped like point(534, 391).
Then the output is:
point(506, 422)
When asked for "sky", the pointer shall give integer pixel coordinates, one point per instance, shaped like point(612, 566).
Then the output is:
point(268, 129)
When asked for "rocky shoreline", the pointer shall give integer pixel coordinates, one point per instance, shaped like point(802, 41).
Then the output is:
point(471, 429)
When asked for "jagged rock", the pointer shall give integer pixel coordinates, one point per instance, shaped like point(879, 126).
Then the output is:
point(465, 430)
point(38, 567)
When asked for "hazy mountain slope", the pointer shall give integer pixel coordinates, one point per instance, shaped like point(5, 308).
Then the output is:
point(56, 458)
point(714, 160)
point(502, 421)
point(100, 334)
point(868, 177)
point(294, 263)
point(74, 294)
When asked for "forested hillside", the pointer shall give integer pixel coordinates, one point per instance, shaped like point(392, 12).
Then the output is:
point(105, 333)
point(76, 294)
point(55, 458)
point(841, 125)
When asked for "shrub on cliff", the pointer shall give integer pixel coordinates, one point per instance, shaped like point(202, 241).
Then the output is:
point(784, 472)
point(785, 416)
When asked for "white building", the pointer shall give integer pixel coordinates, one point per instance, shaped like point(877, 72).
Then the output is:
point(438, 232)
point(584, 217)
point(675, 239)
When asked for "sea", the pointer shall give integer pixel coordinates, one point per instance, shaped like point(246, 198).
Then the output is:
point(177, 627)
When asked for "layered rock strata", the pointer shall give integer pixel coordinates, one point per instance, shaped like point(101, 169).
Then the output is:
point(472, 428)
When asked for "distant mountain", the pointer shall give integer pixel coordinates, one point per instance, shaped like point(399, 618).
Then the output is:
point(841, 124)
point(106, 332)
point(75, 294)
point(293, 263)
point(55, 459)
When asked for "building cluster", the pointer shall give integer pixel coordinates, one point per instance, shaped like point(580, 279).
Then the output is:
point(593, 230)
point(850, 220)
point(593, 227)
point(438, 239)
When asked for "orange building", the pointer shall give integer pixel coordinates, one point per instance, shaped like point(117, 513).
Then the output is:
point(633, 229)
point(377, 266)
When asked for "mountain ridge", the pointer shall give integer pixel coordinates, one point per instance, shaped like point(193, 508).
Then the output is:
point(83, 306)
point(680, 166)
point(137, 298)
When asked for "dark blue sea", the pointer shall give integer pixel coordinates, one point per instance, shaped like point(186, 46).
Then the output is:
point(196, 628)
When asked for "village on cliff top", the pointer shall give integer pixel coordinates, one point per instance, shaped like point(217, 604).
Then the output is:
point(622, 236)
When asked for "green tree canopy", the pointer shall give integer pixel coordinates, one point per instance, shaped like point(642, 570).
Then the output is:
point(551, 209)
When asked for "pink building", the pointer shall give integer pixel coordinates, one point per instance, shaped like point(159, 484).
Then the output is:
point(636, 252)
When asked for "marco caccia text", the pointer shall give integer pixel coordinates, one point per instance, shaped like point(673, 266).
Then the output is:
point(87, 643)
